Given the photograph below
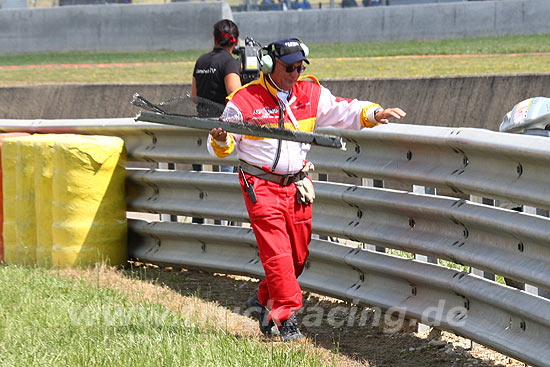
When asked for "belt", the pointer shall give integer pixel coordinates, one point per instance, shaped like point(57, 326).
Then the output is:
point(283, 180)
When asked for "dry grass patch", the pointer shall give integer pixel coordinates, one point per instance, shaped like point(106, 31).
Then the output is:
point(141, 287)
point(207, 314)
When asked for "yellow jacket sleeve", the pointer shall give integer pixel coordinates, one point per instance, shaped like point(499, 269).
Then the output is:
point(220, 149)
point(367, 115)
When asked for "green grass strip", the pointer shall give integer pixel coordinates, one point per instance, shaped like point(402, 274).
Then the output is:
point(464, 46)
point(449, 46)
point(100, 57)
point(49, 321)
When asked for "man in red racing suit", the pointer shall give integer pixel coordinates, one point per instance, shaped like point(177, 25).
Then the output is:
point(276, 171)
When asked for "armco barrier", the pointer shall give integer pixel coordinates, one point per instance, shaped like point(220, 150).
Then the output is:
point(466, 161)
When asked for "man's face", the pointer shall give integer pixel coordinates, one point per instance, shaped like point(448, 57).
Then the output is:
point(284, 78)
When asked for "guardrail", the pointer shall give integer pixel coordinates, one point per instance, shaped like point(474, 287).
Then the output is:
point(467, 161)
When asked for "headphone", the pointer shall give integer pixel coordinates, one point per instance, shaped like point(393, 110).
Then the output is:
point(267, 60)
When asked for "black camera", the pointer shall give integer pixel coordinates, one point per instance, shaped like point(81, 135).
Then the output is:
point(248, 57)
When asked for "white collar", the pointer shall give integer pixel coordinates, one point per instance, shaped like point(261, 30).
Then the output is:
point(283, 95)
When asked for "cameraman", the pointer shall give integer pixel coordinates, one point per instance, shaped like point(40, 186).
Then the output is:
point(216, 74)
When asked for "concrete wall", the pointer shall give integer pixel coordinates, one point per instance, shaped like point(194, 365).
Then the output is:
point(13, 4)
point(407, 22)
point(180, 26)
point(461, 101)
point(80, 101)
point(470, 101)
point(173, 26)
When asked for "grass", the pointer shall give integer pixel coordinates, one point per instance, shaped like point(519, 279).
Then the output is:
point(461, 46)
point(78, 57)
point(47, 320)
point(487, 55)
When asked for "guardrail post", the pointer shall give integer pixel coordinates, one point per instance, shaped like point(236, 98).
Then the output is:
point(428, 259)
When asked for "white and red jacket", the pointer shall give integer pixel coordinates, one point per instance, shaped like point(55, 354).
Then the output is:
point(307, 107)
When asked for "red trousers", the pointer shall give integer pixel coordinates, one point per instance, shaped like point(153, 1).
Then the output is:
point(282, 227)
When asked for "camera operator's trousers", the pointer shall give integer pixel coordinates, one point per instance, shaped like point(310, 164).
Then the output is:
point(282, 226)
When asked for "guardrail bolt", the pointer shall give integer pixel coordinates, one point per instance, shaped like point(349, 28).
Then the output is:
point(357, 149)
point(359, 214)
point(465, 161)
point(413, 291)
point(522, 325)
point(306, 265)
point(201, 195)
point(199, 142)
point(409, 155)
point(520, 247)
point(412, 223)
point(519, 169)
point(203, 247)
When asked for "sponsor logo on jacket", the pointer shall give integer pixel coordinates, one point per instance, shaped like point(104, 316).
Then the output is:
point(265, 112)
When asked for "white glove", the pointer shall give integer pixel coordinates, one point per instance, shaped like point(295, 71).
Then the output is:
point(305, 193)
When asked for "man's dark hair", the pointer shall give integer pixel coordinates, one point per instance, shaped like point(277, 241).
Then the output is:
point(226, 32)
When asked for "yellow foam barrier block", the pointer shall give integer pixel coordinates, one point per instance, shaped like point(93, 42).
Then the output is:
point(9, 157)
point(25, 216)
point(88, 201)
point(43, 172)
